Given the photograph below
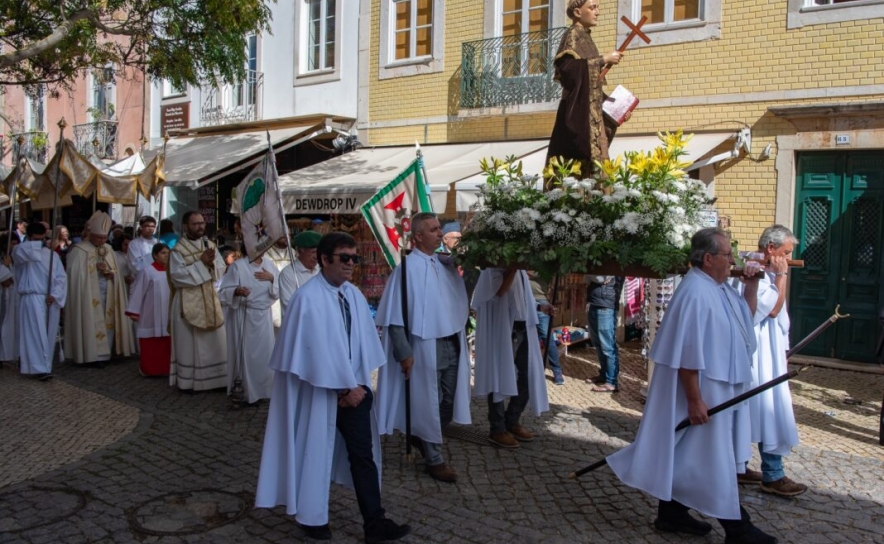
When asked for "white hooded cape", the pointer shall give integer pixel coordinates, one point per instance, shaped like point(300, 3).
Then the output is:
point(495, 371)
point(36, 340)
point(313, 358)
point(698, 466)
point(437, 308)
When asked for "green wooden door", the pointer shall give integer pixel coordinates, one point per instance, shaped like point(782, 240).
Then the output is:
point(839, 220)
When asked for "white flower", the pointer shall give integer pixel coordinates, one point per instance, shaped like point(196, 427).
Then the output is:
point(555, 194)
point(679, 186)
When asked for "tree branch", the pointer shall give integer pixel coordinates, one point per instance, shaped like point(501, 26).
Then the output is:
point(60, 33)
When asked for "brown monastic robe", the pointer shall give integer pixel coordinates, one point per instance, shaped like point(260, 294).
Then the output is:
point(577, 133)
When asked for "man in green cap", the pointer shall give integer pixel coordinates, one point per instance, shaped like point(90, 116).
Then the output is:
point(304, 267)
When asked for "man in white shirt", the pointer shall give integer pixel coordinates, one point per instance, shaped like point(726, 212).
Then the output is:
point(140, 248)
point(304, 267)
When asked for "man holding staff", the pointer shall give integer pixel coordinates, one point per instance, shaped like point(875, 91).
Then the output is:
point(703, 353)
point(435, 357)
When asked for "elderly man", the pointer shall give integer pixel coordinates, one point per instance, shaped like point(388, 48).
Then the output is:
point(302, 269)
point(508, 360)
point(140, 248)
point(37, 297)
point(199, 342)
point(702, 352)
point(96, 326)
point(321, 423)
point(772, 419)
point(435, 356)
point(581, 131)
point(450, 237)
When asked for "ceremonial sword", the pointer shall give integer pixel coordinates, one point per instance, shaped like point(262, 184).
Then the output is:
point(686, 422)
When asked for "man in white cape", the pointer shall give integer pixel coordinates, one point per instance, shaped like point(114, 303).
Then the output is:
point(321, 424)
point(304, 267)
point(96, 327)
point(508, 359)
point(279, 255)
point(8, 306)
point(772, 418)
point(140, 254)
point(435, 357)
point(248, 290)
point(37, 296)
point(199, 341)
point(702, 354)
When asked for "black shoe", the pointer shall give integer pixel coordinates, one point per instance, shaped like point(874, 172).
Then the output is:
point(44, 377)
point(317, 532)
point(683, 524)
point(752, 535)
point(383, 529)
point(418, 444)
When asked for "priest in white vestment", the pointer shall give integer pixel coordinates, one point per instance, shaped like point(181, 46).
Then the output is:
point(96, 327)
point(702, 353)
point(199, 341)
point(304, 267)
point(140, 252)
point(149, 309)
point(248, 290)
point(772, 418)
point(435, 356)
point(8, 309)
point(321, 425)
point(508, 359)
point(38, 333)
point(279, 255)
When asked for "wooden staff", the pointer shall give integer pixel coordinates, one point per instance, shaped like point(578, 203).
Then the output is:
point(407, 327)
point(58, 156)
point(748, 394)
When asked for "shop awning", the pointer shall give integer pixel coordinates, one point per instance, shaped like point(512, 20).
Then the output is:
point(697, 149)
point(342, 184)
point(197, 160)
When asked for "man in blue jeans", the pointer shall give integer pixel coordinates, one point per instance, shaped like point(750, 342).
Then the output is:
point(539, 289)
point(603, 296)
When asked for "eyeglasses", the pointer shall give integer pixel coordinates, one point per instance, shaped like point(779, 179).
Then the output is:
point(347, 257)
point(729, 254)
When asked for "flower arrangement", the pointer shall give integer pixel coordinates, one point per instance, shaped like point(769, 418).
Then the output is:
point(641, 211)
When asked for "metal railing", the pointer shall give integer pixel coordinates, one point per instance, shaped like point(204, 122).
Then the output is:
point(234, 103)
point(98, 138)
point(33, 145)
point(510, 70)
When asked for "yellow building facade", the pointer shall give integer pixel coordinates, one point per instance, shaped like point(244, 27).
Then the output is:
point(805, 77)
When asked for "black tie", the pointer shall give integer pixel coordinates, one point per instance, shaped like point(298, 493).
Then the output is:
point(345, 311)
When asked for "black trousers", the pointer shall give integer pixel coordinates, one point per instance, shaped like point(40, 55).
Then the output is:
point(354, 424)
point(502, 418)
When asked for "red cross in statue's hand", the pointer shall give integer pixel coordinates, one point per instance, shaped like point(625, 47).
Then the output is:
point(636, 31)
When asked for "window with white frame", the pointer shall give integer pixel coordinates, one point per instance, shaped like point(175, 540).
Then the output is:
point(522, 55)
point(245, 93)
point(170, 90)
point(102, 95)
point(320, 35)
point(414, 29)
point(812, 12)
point(35, 110)
point(672, 21)
point(412, 38)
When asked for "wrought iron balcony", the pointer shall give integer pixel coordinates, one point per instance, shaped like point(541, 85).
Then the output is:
point(33, 145)
point(98, 138)
point(237, 103)
point(510, 70)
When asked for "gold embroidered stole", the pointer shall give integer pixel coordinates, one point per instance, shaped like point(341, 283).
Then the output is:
point(200, 305)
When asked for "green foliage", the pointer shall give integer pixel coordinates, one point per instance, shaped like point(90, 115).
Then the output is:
point(184, 41)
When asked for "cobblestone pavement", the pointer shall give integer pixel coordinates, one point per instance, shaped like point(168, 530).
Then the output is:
point(186, 471)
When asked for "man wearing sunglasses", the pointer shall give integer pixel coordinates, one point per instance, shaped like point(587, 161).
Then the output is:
point(434, 356)
point(702, 353)
point(320, 421)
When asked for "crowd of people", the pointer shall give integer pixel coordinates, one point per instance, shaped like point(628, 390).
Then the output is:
point(290, 327)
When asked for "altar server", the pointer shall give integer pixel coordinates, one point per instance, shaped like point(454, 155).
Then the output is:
point(149, 308)
point(304, 267)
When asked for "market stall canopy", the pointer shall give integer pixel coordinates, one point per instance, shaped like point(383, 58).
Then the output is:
point(342, 184)
point(701, 144)
point(194, 161)
point(118, 183)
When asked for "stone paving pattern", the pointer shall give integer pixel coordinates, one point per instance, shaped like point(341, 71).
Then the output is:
point(196, 444)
